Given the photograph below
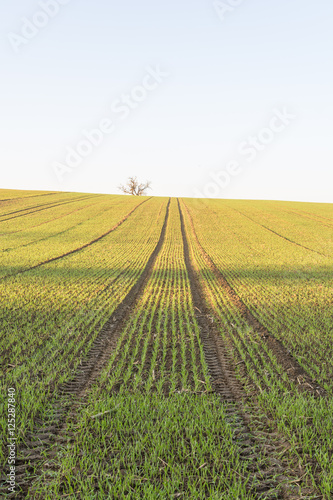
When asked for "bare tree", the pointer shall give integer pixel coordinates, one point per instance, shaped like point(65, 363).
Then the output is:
point(135, 188)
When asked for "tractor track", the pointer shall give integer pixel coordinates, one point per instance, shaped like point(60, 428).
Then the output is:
point(275, 474)
point(49, 220)
point(303, 215)
point(32, 196)
point(296, 372)
point(75, 250)
point(45, 206)
point(54, 235)
point(47, 435)
point(279, 235)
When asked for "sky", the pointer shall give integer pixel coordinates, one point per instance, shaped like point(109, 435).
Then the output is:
point(223, 99)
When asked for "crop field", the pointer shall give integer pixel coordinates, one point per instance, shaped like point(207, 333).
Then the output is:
point(156, 348)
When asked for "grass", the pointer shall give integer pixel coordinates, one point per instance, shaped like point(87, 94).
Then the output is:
point(150, 425)
point(159, 433)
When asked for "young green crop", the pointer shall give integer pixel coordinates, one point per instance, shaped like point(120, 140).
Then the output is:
point(160, 431)
point(53, 313)
point(150, 427)
point(306, 421)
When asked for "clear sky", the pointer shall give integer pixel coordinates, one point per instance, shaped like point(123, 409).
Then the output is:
point(231, 99)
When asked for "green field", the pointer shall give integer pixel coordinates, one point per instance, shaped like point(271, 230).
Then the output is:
point(166, 348)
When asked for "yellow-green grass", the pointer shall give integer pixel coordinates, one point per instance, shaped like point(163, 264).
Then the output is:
point(68, 260)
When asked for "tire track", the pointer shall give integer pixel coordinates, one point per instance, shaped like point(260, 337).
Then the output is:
point(53, 433)
point(303, 215)
point(59, 200)
point(45, 206)
point(6, 353)
point(317, 215)
point(10, 249)
point(296, 372)
point(124, 271)
point(32, 196)
point(224, 382)
point(280, 235)
point(75, 250)
point(49, 220)
point(54, 235)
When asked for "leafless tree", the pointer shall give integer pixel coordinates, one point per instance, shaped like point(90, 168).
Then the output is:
point(134, 187)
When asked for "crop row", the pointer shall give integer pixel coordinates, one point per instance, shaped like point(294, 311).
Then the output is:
point(15, 198)
point(68, 240)
point(288, 221)
point(161, 433)
point(14, 214)
point(287, 291)
point(12, 196)
point(53, 223)
point(53, 313)
point(304, 419)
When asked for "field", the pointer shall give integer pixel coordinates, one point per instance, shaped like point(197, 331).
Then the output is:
point(165, 348)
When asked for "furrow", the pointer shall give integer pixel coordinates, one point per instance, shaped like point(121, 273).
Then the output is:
point(76, 250)
point(280, 235)
point(43, 223)
point(295, 371)
point(72, 393)
point(273, 477)
point(47, 207)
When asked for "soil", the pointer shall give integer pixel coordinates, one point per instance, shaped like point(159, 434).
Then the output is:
point(78, 387)
point(221, 370)
point(225, 383)
point(295, 371)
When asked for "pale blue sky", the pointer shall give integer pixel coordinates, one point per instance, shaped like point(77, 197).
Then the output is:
point(225, 79)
